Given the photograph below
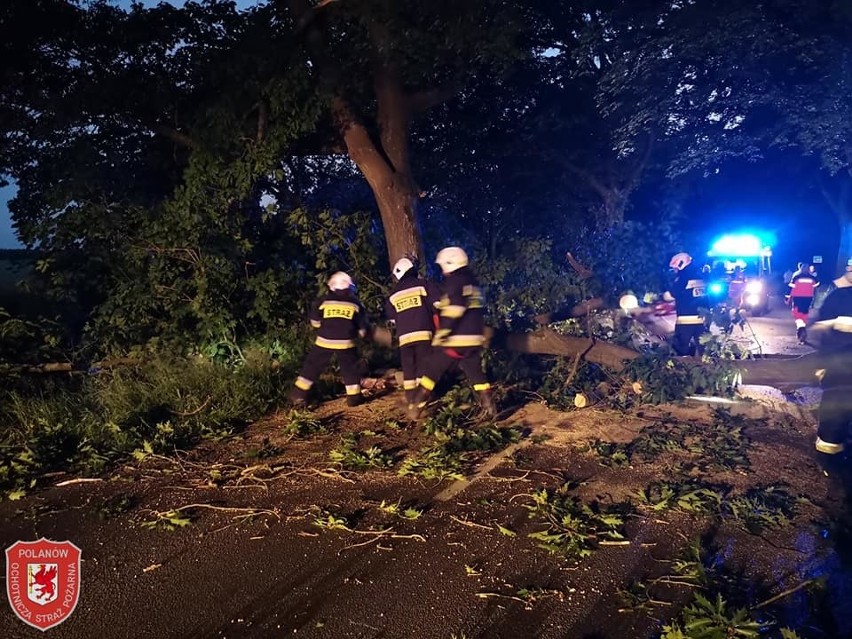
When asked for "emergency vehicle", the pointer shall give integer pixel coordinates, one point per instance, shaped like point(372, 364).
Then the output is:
point(740, 269)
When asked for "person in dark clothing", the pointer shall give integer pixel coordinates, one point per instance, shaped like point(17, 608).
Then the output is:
point(460, 336)
point(339, 319)
point(411, 306)
point(835, 325)
point(689, 295)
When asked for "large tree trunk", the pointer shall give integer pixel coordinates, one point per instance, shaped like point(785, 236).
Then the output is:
point(381, 148)
point(398, 208)
point(844, 251)
point(838, 194)
point(391, 182)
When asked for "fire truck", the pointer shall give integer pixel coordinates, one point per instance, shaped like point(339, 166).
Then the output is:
point(740, 268)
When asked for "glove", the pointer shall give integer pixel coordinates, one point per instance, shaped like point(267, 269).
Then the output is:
point(441, 337)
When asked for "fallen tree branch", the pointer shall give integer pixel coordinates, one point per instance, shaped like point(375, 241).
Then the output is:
point(546, 341)
point(583, 271)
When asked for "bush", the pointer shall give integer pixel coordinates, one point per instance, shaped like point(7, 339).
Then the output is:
point(158, 406)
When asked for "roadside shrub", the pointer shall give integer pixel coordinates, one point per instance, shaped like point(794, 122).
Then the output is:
point(157, 406)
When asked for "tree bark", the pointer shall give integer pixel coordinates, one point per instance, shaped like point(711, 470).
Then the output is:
point(839, 199)
point(545, 341)
point(383, 159)
point(394, 190)
point(844, 251)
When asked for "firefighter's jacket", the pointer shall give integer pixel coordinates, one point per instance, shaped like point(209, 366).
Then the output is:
point(803, 284)
point(462, 311)
point(836, 313)
point(690, 295)
point(339, 319)
point(411, 305)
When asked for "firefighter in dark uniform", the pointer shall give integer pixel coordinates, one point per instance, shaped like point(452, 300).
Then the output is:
point(339, 319)
point(803, 287)
point(411, 306)
point(460, 335)
point(835, 326)
point(689, 295)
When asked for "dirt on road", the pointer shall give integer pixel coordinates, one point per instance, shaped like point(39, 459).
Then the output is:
point(267, 535)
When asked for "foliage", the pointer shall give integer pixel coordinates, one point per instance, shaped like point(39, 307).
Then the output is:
point(706, 619)
point(761, 508)
point(524, 280)
point(574, 528)
point(456, 438)
point(162, 404)
point(303, 423)
point(631, 257)
point(350, 456)
point(665, 377)
point(720, 445)
point(689, 496)
point(23, 340)
point(169, 520)
point(655, 377)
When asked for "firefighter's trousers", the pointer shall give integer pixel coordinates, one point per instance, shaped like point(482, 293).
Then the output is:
point(414, 358)
point(316, 362)
point(835, 409)
point(469, 360)
point(687, 334)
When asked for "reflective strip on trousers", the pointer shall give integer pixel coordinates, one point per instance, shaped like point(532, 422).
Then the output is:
point(353, 389)
point(303, 383)
point(415, 336)
point(334, 344)
point(689, 319)
point(828, 448)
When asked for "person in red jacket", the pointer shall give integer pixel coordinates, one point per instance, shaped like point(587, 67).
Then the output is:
point(801, 297)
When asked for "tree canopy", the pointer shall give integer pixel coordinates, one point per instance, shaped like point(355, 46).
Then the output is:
point(193, 171)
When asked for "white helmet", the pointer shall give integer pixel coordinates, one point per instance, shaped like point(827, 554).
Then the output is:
point(340, 281)
point(451, 259)
point(680, 261)
point(402, 267)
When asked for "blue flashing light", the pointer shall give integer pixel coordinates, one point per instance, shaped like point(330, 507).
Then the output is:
point(739, 245)
point(716, 288)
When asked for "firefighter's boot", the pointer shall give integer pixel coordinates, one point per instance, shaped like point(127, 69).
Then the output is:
point(802, 334)
point(298, 399)
point(410, 395)
point(417, 407)
point(486, 402)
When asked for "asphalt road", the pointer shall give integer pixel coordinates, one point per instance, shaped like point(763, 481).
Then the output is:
point(771, 334)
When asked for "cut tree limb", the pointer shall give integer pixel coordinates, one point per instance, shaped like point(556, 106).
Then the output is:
point(546, 341)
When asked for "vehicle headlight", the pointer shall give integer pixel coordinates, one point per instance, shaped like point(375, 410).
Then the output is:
point(754, 287)
point(752, 299)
